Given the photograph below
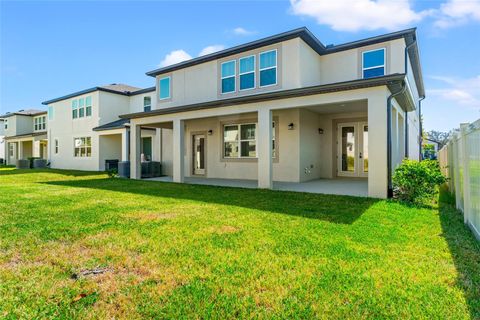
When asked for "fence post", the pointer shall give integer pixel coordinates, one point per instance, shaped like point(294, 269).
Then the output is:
point(466, 172)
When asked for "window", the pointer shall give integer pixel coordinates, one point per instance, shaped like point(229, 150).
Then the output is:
point(39, 123)
point(82, 107)
point(164, 88)
point(247, 73)
point(228, 76)
point(373, 63)
point(268, 68)
point(50, 113)
point(56, 146)
point(147, 104)
point(240, 140)
point(82, 147)
point(11, 149)
point(6, 124)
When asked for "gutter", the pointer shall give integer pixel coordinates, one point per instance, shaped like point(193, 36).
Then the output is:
point(420, 129)
point(406, 112)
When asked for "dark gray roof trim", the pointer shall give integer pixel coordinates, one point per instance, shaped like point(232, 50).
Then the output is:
point(27, 113)
point(26, 135)
point(389, 80)
point(78, 93)
point(118, 124)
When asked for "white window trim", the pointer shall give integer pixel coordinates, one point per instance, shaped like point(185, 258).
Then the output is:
point(84, 108)
point(169, 88)
point(260, 69)
point(56, 146)
point(234, 77)
point(5, 123)
point(240, 73)
point(40, 125)
point(375, 67)
point(91, 147)
point(239, 140)
point(149, 105)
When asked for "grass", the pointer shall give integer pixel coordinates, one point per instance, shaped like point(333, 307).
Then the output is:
point(185, 251)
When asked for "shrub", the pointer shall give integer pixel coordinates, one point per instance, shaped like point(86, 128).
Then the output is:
point(417, 181)
point(112, 173)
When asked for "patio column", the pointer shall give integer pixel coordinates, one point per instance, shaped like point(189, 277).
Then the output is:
point(178, 150)
point(264, 149)
point(20, 150)
point(135, 142)
point(125, 145)
point(36, 148)
point(377, 146)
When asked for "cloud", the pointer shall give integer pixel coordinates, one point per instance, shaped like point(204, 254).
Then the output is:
point(464, 91)
point(348, 15)
point(174, 57)
point(211, 49)
point(239, 31)
point(457, 12)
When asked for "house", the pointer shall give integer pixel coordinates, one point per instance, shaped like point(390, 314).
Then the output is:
point(2, 141)
point(25, 135)
point(430, 148)
point(85, 131)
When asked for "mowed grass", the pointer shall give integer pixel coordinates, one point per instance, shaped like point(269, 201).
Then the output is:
point(182, 251)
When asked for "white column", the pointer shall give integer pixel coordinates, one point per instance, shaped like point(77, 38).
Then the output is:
point(135, 141)
point(156, 145)
point(377, 146)
point(178, 150)
point(20, 150)
point(36, 148)
point(125, 145)
point(264, 149)
point(7, 152)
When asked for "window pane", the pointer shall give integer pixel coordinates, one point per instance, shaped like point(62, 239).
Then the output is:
point(74, 113)
point(74, 104)
point(247, 132)
point(89, 151)
point(228, 69)
point(231, 149)
point(88, 141)
point(247, 64)
point(375, 72)
point(81, 102)
point(88, 101)
point(230, 133)
point(228, 85)
point(348, 149)
point(373, 58)
point(164, 87)
point(248, 149)
point(247, 81)
point(81, 112)
point(268, 77)
point(88, 111)
point(268, 59)
point(147, 101)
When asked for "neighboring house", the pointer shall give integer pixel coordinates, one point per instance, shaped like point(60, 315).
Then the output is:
point(430, 148)
point(85, 129)
point(25, 135)
point(2, 141)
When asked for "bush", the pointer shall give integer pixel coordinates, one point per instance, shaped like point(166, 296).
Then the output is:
point(112, 173)
point(417, 181)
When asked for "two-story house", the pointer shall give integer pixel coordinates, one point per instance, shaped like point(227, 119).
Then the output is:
point(2, 141)
point(85, 130)
point(25, 135)
point(289, 109)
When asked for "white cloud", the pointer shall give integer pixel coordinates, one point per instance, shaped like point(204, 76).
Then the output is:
point(463, 91)
point(239, 31)
point(457, 12)
point(211, 49)
point(348, 15)
point(174, 57)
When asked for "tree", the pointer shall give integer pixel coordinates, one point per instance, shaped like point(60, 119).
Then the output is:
point(439, 136)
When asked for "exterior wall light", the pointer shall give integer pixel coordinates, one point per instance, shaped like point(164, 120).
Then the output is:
point(290, 126)
point(210, 132)
point(320, 130)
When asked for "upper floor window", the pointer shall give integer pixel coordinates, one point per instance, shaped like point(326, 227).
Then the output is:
point(6, 124)
point(147, 104)
point(39, 123)
point(82, 107)
point(247, 73)
point(56, 146)
point(268, 68)
point(164, 88)
point(50, 113)
point(82, 147)
point(228, 76)
point(373, 63)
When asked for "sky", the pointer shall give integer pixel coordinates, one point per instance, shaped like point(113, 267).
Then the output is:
point(52, 48)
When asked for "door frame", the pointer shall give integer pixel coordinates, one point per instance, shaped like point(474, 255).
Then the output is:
point(358, 124)
point(192, 139)
point(341, 173)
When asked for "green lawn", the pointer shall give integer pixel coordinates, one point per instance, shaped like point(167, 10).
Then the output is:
point(185, 251)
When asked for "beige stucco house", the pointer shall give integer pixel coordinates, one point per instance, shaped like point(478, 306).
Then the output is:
point(25, 135)
point(284, 109)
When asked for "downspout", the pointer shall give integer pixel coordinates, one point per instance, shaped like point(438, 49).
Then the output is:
point(406, 112)
point(420, 129)
point(389, 138)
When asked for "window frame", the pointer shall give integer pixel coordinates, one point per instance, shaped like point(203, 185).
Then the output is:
point(11, 150)
point(260, 69)
point(239, 140)
point(384, 66)
point(5, 124)
point(149, 105)
point(39, 123)
point(234, 76)
point(169, 88)
point(244, 73)
point(84, 146)
point(55, 146)
point(50, 113)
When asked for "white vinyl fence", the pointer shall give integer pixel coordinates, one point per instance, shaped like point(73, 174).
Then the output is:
point(460, 162)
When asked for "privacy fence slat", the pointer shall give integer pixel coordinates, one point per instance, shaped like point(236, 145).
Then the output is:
point(460, 162)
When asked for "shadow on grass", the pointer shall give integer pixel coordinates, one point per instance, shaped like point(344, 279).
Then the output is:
point(465, 250)
point(331, 208)
point(5, 171)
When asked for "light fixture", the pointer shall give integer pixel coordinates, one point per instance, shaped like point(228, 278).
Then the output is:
point(320, 130)
point(290, 126)
point(210, 132)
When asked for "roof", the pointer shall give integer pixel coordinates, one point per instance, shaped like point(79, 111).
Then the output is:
point(26, 135)
point(27, 112)
point(393, 81)
point(118, 124)
point(122, 89)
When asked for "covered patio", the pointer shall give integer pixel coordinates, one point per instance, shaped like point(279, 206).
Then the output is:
point(340, 186)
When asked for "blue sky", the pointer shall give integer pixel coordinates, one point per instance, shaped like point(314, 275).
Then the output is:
point(49, 49)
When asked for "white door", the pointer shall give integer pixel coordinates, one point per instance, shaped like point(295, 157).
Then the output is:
point(199, 154)
point(352, 144)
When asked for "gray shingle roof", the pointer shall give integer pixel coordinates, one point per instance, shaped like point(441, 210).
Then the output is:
point(23, 112)
point(117, 124)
